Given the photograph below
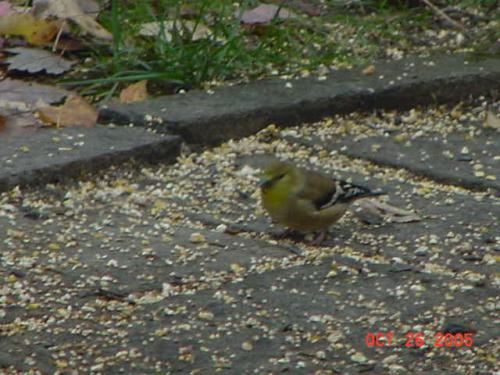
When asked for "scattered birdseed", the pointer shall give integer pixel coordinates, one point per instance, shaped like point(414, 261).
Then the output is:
point(177, 268)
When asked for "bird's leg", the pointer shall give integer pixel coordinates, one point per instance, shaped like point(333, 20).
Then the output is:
point(320, 237)
point(285, 233)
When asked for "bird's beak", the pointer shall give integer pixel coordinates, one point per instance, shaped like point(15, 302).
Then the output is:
point(265, 182)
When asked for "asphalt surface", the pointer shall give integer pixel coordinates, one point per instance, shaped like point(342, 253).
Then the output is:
point(123, 252)
point(177, 269)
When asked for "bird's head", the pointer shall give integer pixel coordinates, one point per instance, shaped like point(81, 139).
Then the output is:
point(278, 172)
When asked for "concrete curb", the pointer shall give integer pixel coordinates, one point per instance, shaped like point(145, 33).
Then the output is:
point(237, 111)
point(54, 155)
point(204, 119)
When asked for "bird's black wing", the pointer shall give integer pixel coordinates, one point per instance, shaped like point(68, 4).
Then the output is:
point(343, 192)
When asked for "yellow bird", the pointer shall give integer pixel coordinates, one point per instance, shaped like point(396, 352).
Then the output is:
point(305, 200)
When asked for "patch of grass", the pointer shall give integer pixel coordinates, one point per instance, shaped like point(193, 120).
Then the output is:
point(300, 45)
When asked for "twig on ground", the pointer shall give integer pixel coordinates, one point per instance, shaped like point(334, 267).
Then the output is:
point(443, 15)
point(464, 13)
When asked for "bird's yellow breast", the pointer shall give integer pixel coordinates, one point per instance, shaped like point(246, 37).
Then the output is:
point(274, 202)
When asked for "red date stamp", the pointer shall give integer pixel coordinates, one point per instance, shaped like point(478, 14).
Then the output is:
point(418, 339)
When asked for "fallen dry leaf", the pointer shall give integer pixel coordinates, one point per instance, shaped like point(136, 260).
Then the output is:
point(71, 9)
point(369, 70)
point(491, 121)
point(69, 43)
point(43, 7)
point(136, 92)
point(36, 31)
point(165, 29)
point(374, 212)
point(23, 96)
point(34, 60)
point(263, 14)
point(75, 111)
point(13, 122)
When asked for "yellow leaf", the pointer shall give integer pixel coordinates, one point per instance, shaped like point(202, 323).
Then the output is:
point(35, 31)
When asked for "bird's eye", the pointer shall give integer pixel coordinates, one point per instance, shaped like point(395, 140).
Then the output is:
point(267, 183)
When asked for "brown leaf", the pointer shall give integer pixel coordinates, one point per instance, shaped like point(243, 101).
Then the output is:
point(69, 43)
point(264, 14)
point(71, 9)
point(136, 92)
point(76, 111)
point(369, 70)
point(27, 95)
point(33, 60)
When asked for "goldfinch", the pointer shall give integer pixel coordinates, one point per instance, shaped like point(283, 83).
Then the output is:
point(305, 200)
